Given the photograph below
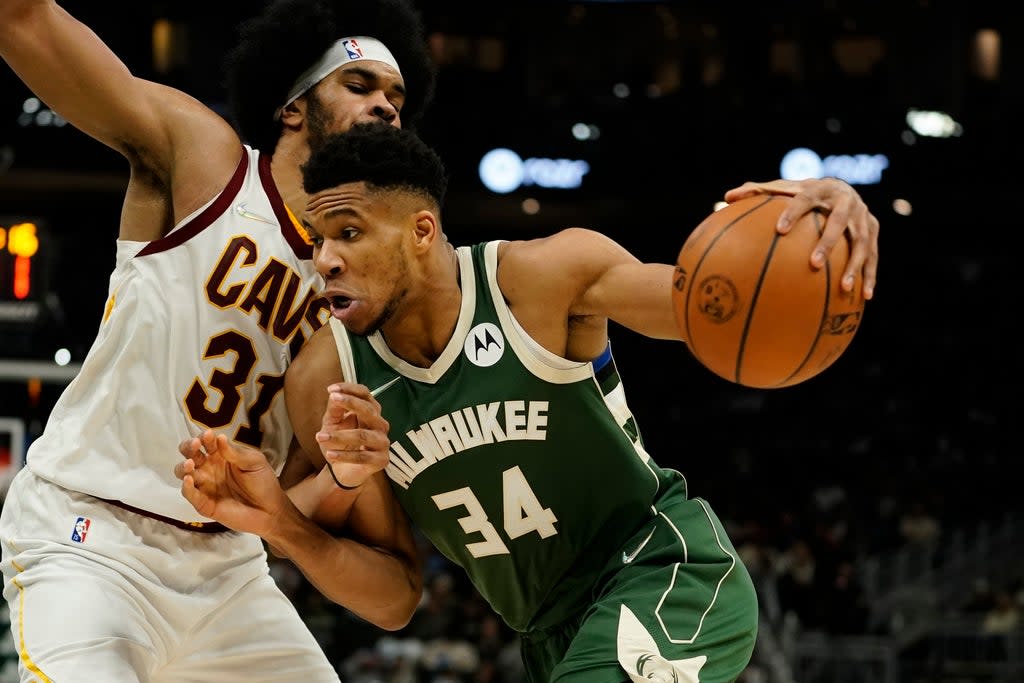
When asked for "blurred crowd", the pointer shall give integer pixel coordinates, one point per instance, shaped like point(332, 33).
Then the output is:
point(806, 559)
point(454, 636)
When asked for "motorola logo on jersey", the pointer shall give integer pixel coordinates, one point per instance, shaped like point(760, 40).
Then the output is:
point(485, 345)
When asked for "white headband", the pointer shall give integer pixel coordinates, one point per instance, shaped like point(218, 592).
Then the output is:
point(351, 49)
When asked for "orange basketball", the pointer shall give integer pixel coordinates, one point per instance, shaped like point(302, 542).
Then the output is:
point(750, 306)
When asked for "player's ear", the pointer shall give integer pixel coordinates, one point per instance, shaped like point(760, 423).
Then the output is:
point(426, 229)
point(294, 113)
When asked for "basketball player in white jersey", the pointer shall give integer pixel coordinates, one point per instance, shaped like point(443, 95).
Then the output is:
point(109, 573)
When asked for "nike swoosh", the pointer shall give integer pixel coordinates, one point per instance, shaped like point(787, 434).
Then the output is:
point(626, 559)
point(244, 212)
point(379, 390)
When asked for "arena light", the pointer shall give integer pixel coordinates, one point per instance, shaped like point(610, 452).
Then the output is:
point(502, 170)
point(801, 163)
point(34, 113)
point(933, 124)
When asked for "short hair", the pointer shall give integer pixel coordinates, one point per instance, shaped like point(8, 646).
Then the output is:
point(380, 155)
point(275, 47)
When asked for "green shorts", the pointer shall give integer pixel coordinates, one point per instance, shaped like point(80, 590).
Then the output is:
point(677, 606)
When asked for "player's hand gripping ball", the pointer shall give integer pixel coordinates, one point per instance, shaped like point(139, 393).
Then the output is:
point(750, 306)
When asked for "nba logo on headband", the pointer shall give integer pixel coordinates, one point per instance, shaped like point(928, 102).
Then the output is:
point(352, 48)
point(343, 51)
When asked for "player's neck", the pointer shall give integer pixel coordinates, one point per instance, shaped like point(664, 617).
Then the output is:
point(422, 328)
point(285, 167)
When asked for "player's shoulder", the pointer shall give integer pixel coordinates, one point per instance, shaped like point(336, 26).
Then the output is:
point(549, 254)
point(316, 360)
point(565, 238)
point(193, 124)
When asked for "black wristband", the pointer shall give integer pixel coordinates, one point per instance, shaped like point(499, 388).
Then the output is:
point(340, 485)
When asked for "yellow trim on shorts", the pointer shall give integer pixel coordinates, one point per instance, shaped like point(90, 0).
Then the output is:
point(23, 655)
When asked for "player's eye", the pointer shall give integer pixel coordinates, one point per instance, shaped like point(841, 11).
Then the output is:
point(314, 239)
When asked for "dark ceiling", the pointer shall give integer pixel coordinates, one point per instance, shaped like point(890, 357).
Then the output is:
point(717, 94)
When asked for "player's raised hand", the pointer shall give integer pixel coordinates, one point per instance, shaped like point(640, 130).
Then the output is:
point(353, 434)
point(232, 484)
point(846, 212)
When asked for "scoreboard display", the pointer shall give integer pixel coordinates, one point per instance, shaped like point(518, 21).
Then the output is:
point(20, 243)
point(24, 247)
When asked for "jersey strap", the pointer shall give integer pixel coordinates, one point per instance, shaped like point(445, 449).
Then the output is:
point(206, 217)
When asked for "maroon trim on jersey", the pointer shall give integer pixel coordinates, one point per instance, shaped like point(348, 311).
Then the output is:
point(206, 217)
point(201, 527)
point(293, 233)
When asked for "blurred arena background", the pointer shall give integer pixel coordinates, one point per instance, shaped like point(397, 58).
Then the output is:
point(876, 505)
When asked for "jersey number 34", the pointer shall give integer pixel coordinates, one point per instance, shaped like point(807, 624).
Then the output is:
point(523, 514)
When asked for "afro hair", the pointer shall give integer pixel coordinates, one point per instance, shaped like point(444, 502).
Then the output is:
point(278, 45)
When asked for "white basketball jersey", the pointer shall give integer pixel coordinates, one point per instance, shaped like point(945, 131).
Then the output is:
point(197, 331)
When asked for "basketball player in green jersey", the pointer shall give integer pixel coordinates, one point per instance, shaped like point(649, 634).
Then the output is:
point(478, 384)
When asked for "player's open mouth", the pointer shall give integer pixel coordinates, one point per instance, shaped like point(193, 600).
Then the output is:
point(340, 302)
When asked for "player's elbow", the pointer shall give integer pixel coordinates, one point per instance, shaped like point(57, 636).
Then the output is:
point(397, 623)
point(399, 613)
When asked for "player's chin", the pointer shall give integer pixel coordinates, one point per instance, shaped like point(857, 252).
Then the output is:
point(357, 321)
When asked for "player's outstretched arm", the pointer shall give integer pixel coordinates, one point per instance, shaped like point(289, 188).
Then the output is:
point(74, 72)
point(174, 143)
point(847, 213)
point(589, 277)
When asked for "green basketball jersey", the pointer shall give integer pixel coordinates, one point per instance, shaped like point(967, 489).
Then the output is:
point(525, 469)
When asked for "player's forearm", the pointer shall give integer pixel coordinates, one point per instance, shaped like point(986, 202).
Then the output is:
point(308, 493)
point(639, 296)
point(380, 585)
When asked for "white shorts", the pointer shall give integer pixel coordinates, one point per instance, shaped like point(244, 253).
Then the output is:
point(98, 593)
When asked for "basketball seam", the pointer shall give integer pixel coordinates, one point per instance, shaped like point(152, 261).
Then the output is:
point(824, 310)
point(700, 262)
point(753, 305)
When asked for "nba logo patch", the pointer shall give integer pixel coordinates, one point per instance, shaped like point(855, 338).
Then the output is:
point(81, 529)
point(353, 49)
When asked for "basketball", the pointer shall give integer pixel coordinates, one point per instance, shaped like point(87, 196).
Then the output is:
point(750, 306)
